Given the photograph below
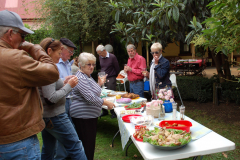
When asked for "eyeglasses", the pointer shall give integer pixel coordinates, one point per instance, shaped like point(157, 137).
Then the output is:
point(72, 52)
point(22, 35)
point(89, 65)
point(154, 53)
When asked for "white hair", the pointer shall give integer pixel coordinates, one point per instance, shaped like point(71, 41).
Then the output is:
point(109, 48)
point(156, 45)
point(131, 46)
point(84, 58)
point(100, 48)
point(4, 29)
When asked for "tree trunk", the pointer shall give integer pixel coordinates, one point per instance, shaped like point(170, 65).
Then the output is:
point(217, 60)
point(80, 44)
point(226, 66)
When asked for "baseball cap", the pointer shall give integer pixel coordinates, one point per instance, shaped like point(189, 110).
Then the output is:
point(12, 19)
point(67, 42)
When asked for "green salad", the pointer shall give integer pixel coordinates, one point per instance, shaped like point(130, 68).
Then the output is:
point(167, 137)
point(134, 105)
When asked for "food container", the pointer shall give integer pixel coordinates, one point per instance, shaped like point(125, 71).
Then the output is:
point(118, 96)
point(126, 118)
point(186, 127)
point(144, 120)
point(111, 99)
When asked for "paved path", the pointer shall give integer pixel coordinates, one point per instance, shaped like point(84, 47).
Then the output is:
point(211, 70)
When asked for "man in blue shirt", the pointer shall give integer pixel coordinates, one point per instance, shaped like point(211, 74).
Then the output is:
point(64, 68)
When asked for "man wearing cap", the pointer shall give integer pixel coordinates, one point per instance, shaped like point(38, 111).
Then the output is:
point(109, 65)
point(20, 105)
point(64, 68)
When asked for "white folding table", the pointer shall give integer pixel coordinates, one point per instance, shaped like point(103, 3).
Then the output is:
point(208, 144)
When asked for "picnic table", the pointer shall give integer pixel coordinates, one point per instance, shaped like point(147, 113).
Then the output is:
point(204, 141)
point(188, 66)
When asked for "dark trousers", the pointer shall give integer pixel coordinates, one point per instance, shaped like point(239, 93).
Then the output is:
point(87, 131)
point(111, 83)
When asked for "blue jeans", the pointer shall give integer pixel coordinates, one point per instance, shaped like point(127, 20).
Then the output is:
point(67, 107)
point(137, 88)
point(25, 149)
point(61, 152)
point(60, 128)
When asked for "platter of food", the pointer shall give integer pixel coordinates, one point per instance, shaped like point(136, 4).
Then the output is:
point(139, 133)
point(130, 95)
point(167, 139)
point(124, 100)
point(113, 93)
point(133, 106)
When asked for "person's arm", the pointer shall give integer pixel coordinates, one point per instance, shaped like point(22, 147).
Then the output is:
point(141, 65)
point(37, 70)
point(51, 95)
point(85, 90)
point(161, 72)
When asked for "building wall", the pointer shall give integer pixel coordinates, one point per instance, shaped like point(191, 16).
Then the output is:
point(171, 50)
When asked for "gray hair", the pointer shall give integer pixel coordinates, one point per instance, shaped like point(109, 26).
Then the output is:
point(131, 46)
point(4, 29)
point(84, 58)
point(100, 48)
point(156, 45)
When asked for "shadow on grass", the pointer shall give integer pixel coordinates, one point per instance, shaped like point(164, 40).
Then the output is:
point(107, 128)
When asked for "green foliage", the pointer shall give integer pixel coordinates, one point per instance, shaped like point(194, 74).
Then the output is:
point(200, 89)
point(81, 21)
point(154, 20)
point(231, 92)
point(194, 88)
point(222, 29)
point(38, 35)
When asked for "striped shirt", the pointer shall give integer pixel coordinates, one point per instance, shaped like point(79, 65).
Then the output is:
point(86, 101)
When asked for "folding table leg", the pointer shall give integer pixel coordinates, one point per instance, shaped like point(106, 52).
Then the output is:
point(196, 157)
point(128, 146)
point(115, 137)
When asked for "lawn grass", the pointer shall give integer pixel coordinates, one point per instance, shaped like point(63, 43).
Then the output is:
point(107, 128)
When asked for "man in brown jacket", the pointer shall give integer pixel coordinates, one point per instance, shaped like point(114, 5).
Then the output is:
point(20, 105)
